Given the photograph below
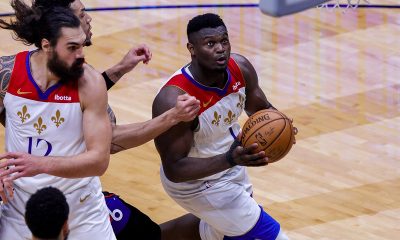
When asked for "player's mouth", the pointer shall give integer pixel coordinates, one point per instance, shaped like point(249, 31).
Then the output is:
point(221, 60)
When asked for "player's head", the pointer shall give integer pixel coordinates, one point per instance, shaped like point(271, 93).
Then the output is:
point(47, 214)
point(77, 8)
point(208, 41)
point(55, 31)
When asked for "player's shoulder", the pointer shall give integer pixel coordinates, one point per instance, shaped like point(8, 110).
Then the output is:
point(7, 62)
point(91, 77)
point(171, 88)
point(240, 60)
point(91, 73)
point(6, 68)
point(246, 68)
point(92, 88)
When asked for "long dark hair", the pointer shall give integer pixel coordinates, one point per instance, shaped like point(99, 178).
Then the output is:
point(32, 24)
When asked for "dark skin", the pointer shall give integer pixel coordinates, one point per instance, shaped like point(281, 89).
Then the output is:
point(210, 52)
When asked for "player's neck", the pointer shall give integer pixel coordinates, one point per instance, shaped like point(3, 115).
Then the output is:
point(207, 77)
point(43, 77)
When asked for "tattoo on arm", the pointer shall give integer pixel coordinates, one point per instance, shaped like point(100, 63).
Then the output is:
point(115, 76)
point(111, 115)
point(6, 67)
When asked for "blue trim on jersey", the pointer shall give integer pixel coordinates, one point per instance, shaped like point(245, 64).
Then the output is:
point(232, 133)
point(42, 95)
point(220, 92)
point(266, 228)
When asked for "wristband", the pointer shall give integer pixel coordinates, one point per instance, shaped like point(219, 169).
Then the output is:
point(109, 83)
point(228, 154)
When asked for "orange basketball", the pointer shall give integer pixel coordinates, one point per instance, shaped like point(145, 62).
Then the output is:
point(273, 132)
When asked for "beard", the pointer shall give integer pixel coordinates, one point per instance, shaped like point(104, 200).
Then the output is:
point(60, 68)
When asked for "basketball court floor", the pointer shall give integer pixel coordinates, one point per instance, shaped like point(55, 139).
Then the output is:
point(335, 71)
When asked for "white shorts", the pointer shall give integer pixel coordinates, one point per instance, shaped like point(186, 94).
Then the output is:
point(88, 215)
point(224, 205)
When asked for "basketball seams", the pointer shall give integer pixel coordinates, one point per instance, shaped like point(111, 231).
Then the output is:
point(289, 146)
point(249, 137)
point(258, 130)
point(279, 135)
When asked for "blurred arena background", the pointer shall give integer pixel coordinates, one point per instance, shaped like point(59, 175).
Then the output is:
point(334, 70)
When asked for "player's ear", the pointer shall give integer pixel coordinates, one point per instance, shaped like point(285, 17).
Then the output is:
point(190, 47)
point(65, 229)
point(45, 45)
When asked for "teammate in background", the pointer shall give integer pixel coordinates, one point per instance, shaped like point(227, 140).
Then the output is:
point(203, 165)
point(55, 105)
point(47, 214)
point(134, 56)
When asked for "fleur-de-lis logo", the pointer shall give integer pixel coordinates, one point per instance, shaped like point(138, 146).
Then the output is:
point(229, 119)
point(23, 114)
point(241, 102)
point(39, 126)
point(217, 117)
point(57, 119)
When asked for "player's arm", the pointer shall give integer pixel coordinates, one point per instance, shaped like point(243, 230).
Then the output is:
point(134, 56)
point(6, 67)
point(255, 97)
point(174, 146)
point(97, 135)
point(135, 134)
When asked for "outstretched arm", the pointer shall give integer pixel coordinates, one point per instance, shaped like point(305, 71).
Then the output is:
point(135, 134)
point(134, 56)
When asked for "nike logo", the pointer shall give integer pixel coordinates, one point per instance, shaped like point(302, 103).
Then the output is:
point(207, 103)
point(81, 200)
point(22, 93)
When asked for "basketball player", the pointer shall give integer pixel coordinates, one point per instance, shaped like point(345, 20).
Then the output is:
point(57, 128)
point(202, 160)
point(135, 134)
point(47, 214)
point(132, 223)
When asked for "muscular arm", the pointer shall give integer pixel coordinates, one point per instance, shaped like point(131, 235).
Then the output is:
point(6, 67)
point(174, 146)
point(255, 97)
point(96, 131)
point(135, 134)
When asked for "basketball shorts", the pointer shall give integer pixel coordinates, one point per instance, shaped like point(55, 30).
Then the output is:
point(224, 205)
point(128, 222)
point(88, 218)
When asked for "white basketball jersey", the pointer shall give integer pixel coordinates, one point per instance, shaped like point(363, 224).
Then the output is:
point(43, 124)
point(219, 111)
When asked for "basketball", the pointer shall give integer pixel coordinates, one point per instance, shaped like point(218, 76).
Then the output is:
point(272, 130)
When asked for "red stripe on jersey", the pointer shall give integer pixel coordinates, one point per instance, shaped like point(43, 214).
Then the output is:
point(208, 96)
point(23, 85)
